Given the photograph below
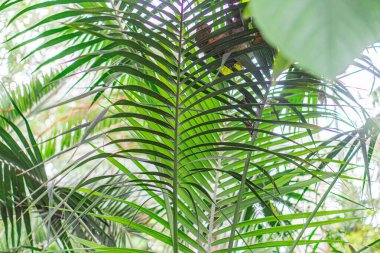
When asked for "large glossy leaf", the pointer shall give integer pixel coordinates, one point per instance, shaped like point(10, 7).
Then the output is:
point(323, 36)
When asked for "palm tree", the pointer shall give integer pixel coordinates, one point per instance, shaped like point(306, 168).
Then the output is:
point(215, 145)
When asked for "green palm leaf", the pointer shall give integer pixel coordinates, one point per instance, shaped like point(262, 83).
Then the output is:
point(225, 149)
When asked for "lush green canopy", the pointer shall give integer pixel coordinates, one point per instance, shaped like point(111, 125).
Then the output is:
point(198, 136)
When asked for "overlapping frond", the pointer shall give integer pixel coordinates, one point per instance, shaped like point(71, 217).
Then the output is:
point(225, 151)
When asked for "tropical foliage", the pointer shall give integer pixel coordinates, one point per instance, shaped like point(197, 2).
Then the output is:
point(324, 42)
point(198, 136)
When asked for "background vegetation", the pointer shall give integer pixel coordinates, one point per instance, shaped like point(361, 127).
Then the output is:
point(177, 126)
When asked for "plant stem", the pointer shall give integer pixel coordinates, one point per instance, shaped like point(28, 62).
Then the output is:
point(254, 136)
point(176, 138)
point(213, 205)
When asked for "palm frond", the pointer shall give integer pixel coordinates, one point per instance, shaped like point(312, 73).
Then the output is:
point(226, 152)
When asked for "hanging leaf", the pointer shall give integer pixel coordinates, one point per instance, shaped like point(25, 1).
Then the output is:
point(323, 36)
